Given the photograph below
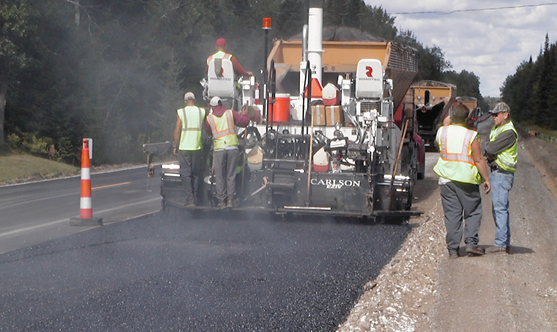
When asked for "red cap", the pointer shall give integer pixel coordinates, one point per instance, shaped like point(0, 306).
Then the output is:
point(221, 42)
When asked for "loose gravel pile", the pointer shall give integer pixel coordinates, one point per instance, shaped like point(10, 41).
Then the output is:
point(402, 297)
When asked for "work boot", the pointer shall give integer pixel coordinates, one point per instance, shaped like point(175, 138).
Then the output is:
point(497, 249)
point(454, 253)
point(474, 251)
point(221, 205)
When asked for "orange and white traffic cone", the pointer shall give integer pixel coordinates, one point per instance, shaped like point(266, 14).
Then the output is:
point(85, 203)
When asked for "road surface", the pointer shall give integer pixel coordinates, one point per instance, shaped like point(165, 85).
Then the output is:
point(37, 212)
point(177, 272)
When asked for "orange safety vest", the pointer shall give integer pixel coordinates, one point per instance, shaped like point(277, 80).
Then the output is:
point(223, 130)
point(455, 155)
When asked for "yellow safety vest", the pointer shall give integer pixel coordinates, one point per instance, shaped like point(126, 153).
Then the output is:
point(192, 124)
point(455, 155)
point(508, 158)
point(223, 130)
point(219, 55)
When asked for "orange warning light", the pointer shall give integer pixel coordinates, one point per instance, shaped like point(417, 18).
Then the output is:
point(266, 23)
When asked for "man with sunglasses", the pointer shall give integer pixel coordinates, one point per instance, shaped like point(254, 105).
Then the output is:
point(502, 157)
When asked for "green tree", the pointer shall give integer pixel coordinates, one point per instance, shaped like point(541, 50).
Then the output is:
point(290, 18)
point(432, 64)
point(116, 71)
point(378, 22)
point(468, 84)
point(352, 17)
point(14, 28)
point(517, 91)
point(543, 88)
point(356, 14)
point(333, 12)
point(43, 97)
point(552, 93)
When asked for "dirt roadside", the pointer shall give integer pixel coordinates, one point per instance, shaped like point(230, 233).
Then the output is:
point(422, 290)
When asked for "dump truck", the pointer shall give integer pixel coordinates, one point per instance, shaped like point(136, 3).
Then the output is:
point(475, 111)
point(470, 102)
point(332, 150)
point(433, 100)
point(408, 110)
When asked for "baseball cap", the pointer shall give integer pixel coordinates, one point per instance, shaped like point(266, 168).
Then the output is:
point(221, 42)
point(189, 96)
point(500, 107)
point(215, 101)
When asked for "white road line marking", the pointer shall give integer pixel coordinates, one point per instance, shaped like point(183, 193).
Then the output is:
point(31, 228)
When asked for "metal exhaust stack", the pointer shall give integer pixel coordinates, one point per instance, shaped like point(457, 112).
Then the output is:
point(315, 38)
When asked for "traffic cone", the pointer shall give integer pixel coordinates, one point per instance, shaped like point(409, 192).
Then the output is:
point(85, 205)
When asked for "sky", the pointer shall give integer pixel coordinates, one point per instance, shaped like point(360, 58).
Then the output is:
point(490, 38)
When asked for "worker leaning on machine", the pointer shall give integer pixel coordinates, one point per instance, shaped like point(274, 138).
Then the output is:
point(222, 123)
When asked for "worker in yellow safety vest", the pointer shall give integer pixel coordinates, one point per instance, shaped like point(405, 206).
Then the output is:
point(222, 123)
point(461, 168)
point(188, 146)
point(502, 156)
point(221, 53)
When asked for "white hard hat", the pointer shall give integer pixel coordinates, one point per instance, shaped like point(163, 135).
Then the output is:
point(189, 96)
point(215, 101)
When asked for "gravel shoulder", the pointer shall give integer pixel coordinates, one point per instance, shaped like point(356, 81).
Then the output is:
point(422, 290)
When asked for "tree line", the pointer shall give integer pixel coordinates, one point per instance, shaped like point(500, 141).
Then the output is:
point(532, 91)
point(117, 70)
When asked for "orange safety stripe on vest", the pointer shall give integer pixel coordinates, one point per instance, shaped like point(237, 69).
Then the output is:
point(230, 125)
point(463, 156)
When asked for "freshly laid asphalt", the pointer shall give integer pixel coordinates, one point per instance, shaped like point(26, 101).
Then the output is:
point(174, 272)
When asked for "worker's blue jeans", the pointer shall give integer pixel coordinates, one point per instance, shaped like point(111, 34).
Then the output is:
point(501, 184)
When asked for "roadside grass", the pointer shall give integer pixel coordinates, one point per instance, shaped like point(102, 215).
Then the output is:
point(545, 134)
point(16, 168)
point(551, 133)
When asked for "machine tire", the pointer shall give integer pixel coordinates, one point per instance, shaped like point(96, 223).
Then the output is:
point(421, 175)
point(421, 166)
